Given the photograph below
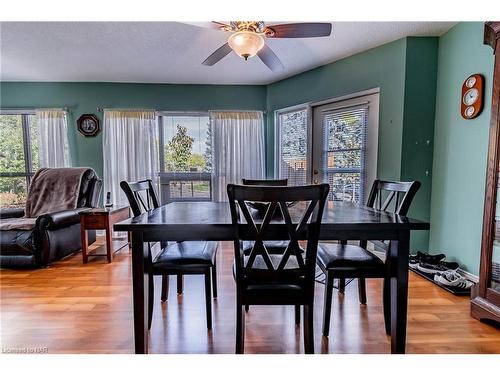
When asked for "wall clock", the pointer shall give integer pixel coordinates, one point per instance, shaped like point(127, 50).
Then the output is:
point(471, 103)
point(88, 125)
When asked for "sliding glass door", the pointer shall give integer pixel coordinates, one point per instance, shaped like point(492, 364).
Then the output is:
point(334, 143)
point(345, 141)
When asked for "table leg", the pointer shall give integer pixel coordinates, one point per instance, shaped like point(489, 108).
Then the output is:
point(85, 243)
point(399, 254)
point(140, 283)
point(109, 242)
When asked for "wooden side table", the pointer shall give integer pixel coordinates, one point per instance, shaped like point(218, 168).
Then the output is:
point(102, 218)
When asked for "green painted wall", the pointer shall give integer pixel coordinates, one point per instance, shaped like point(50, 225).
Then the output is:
point(418, 127)
point(460, 148)
point(86, 97)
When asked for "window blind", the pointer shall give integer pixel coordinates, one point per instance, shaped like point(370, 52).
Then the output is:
point(345, 152)
point(293, 146)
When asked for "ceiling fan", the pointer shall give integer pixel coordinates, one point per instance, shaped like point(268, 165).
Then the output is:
point(248, 38)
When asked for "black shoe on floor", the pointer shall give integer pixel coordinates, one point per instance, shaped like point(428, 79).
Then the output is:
point(436, 268)
point(416, 259)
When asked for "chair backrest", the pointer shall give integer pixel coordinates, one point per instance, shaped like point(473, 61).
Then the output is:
point(90, 189)
point(303, 223)
point(141, 196)
point(393, 196)
point(279, 182)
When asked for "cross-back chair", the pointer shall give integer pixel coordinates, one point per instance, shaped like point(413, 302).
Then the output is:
point(263, 278)
point(352, 261)
point(181, 258)
point(273, 247)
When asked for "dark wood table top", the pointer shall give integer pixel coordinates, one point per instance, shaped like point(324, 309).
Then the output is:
point(337, 216)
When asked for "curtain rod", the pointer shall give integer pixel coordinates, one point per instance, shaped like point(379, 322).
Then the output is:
point(101, 109)
point(237, 110)
point(32, 108)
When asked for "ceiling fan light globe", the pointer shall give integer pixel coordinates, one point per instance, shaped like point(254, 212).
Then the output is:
point(246, 43)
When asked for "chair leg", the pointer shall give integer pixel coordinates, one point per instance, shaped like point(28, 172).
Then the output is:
point(297, 314)
point(179, 284)
point(308, 329)
point(387, 305)
point(214, 280)
point(208, 298)
point(151, 300)
point(342, 285)
point(247, 307)
point(327, 305)
point(362, 290)
point(164, 288)
point(240, 329)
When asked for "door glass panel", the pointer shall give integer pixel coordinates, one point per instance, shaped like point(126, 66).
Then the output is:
point(344, 152)
point(292, 138)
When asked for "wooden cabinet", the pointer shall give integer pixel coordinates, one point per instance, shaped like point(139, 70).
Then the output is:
point(485, 303)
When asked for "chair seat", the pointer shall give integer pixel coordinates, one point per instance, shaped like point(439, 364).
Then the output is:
point(337, 256)
point(186, 254)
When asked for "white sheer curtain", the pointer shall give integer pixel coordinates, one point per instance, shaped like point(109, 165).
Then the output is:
point(53, 138)
point(130, 150)
point(238, 139)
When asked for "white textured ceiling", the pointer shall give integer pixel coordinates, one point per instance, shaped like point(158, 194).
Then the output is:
point(172, 52)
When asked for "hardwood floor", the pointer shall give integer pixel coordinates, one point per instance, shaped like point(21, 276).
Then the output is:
point(75, 308)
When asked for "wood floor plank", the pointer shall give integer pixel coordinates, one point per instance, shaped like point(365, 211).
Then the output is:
point(70, 307)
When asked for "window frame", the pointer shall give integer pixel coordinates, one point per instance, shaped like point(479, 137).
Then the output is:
point(27, 149)
point(166, 177)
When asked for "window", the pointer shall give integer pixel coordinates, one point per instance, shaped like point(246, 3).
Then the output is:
point(292, 146)
point(344, 159)
point(185, 157)
point(18, 156)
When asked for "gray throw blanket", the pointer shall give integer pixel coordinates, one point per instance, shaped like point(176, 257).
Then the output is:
point(51, 190)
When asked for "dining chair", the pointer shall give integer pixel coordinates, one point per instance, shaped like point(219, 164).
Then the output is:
point(355, 261)
point(180, 258)
point(273, 247)
point(276, 279)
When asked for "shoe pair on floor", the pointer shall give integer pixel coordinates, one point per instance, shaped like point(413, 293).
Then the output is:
point(452, 279)
point(431, 263)
point(445, 273)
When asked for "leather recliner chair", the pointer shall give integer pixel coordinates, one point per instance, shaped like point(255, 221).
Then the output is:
point(55, 234)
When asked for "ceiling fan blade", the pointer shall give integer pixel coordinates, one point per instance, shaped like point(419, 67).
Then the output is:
point(269, 58)
point(215, 25)
point(302, 30)
point(217, 55)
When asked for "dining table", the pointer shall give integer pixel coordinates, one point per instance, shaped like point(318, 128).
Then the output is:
point(211, 221)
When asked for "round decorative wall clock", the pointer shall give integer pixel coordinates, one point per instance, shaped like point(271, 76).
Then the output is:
point(471, 103)
point(88, 125)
